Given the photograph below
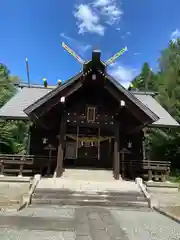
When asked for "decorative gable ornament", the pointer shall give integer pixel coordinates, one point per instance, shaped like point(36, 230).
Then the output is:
point(62, 99)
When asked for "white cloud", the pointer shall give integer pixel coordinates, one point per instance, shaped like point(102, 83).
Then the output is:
point(95, 16)
point(88, 20)
point(109, 9)
point(175, 34)
point(80, 46)
point(122, 74)
point(118, 29)
point(102, 3)
point(113, 13)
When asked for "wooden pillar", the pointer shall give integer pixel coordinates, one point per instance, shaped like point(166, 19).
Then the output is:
point(28, 144)
point(149, 175)
point(2, 168)
point(60, 155)
point(116, 154)
point(122, 164)
point(146, 132)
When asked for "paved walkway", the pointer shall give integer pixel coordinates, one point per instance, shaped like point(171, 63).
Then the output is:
point(96, 175)
point(87, 223)
point(80, 185)
point(11, 193)
point(166, 199)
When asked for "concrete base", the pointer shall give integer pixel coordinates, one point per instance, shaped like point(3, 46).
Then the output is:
point(162, 187)
point(58, 191)
point(19, 179)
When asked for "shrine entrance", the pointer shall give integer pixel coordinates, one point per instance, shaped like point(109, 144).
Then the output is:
point(88, 148)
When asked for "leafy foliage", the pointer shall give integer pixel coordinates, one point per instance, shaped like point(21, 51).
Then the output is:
point(164, 144)
point(13, 134)
point(146, 79)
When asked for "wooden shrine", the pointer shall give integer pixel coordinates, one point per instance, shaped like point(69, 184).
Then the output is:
point(90, 121)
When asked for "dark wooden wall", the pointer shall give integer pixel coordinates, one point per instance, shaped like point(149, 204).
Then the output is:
point(36, 141)
point(91, 93)
point(109, 115)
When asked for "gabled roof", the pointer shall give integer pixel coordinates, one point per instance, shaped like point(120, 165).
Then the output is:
point(99, 66)
point(127, 93)
point(135, 100)
point(165, 118)
point(52, 93)
point(14, 108)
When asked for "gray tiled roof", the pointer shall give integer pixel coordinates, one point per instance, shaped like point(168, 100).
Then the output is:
point(13, 109)
point(165, 118)
point(23, 98)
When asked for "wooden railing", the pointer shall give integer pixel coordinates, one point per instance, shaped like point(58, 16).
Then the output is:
point(15, 164)
point(156, 170)
point(26, 164)
point(147, 169)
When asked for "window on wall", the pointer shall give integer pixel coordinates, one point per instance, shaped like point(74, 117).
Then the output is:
point(91, 114)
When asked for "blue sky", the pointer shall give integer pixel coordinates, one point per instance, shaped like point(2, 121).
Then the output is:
point(36, 28)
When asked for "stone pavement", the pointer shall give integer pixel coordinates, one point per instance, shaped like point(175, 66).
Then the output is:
point(93, 175)
point(11, 193)
point(85, 185)
point(80, 223)
point(165, 199)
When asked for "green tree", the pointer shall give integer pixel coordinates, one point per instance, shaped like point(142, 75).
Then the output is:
point(13, 134)
point(4, 72)
point(146, 80)
point(169, 97)
point(164, 144)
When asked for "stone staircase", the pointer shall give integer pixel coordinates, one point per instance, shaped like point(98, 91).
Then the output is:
point(88, 188)
point(93, 175)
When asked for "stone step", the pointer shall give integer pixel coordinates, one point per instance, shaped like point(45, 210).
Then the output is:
point(89, 197)
point(87, 202)
point(90, 192)
point(85, 198)
point(88, 174)
point(82, 185)
point(85, 193)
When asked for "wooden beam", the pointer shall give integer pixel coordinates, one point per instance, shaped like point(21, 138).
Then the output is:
point(116, 154)
point(60, 155)
point(93, 125)
point(76, 87)
point(136, 111)
point(66, 93)
point(113, 93)
point(36, 120)
point(134, 129)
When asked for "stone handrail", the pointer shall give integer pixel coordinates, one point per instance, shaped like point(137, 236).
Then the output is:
point(140, 184)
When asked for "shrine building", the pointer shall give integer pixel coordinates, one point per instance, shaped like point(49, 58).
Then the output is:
point(89, 121)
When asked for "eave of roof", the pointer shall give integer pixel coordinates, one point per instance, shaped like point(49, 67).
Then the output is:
point(13, 109)
point(22, 85)
point(132, 97)
point(51, 94)
point(165, 119)
point(127, 93)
